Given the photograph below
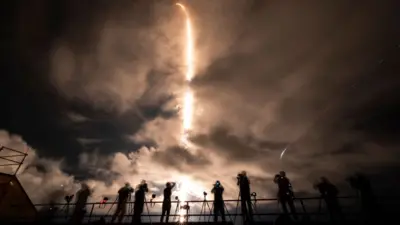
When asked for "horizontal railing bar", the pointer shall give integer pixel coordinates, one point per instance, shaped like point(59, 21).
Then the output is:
point(195, 201)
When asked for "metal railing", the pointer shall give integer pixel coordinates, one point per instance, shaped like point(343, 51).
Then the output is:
point(202, 210)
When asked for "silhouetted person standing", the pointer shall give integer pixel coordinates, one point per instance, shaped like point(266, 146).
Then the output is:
point(166, 205)
point(245, 197)
point(329, 193)
point(218, 191)
point(285, 193)
point(80, 206)
point(368, 202)
point(139, 202)
point(123, 196)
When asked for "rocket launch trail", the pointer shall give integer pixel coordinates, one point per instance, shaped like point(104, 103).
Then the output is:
point(188, 100)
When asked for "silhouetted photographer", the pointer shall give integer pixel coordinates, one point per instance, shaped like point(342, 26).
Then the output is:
point(245, 196)
point(363, 186)
point(218, 191)
point(123, 196)
point(329, 193)
point(166, 205)
point(80, 206)
point(140, 193)
point(285, 193)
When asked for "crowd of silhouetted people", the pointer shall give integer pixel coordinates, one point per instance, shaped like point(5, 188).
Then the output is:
point(285, 197)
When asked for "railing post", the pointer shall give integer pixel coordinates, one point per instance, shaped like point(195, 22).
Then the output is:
point(91, 212)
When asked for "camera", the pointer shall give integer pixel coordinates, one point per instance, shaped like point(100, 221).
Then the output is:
point(205, 193)
point(239, 178)
point(185, 207)
point(277, 177)
point(68, 198)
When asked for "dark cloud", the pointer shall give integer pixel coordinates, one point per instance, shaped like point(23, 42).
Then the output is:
point(177, 157)
point(232, 147)
point(319, 78)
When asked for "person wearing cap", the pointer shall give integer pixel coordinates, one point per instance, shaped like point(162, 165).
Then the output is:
point(166, 205)
point(123, 197)
point(218, 191)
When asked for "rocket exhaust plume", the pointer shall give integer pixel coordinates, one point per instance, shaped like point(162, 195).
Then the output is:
point(188, 98)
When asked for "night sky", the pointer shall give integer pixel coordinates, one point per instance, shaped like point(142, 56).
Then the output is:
point(99, 77)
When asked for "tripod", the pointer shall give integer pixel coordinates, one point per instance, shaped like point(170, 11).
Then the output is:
point(65, 209)
point(178, 204)
point(227, 213)
point(148, 211)
point(204, 208)
point(112, 206)
point(254, 203)
point(249, 215)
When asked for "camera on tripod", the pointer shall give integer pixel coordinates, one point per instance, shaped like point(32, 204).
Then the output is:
point(185, 207)
point(205, 194)
point(68, 198)
point(103, 202)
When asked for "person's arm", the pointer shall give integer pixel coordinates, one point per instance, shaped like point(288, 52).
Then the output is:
point(213, 190)
point(222, 188)
point(173, 185)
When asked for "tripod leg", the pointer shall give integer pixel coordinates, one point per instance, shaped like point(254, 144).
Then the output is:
point(111, 207)
point(148, 211)
point(176, 210)
point(254, 206)
point(211, 211)
point(227, 212)
point(237, 206)
point(201, 211)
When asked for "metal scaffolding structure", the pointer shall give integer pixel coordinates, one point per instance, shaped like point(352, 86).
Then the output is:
point(12, 158)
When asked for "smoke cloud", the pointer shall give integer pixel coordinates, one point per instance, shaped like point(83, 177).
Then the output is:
point(278, 78)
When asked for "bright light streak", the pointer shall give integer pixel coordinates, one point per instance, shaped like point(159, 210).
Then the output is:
point(189, 45)
point(188, 101)
point(188, 98)
point(283, 152)
point(187, 110)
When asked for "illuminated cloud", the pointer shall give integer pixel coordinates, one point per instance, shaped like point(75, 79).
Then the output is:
point(274, 80)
